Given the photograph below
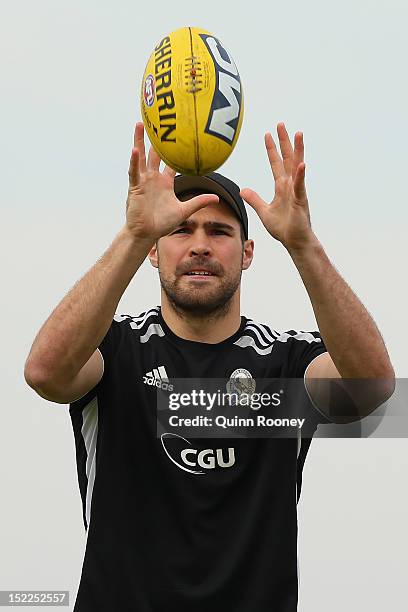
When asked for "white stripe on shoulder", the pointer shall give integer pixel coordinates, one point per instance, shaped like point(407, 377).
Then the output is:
point(138, 322)
point(269, 334)
point(119, 318)
point(144, 315)
point(155, 329)
point(248, 341)
point(300, 335)
point(258, 333)
point(258, 337)
point(141, 320)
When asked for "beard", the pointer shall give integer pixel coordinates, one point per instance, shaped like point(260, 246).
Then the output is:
point(200, 300)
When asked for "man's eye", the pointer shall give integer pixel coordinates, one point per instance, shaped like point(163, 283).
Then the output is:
point(181, 229)
point(218, 231)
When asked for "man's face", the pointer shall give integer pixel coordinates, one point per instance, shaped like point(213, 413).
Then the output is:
point(208, 241)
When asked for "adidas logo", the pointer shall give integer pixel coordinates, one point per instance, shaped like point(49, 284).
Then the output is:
point(158, 378)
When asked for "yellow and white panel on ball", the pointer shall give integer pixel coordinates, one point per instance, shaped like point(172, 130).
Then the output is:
point(192, 101)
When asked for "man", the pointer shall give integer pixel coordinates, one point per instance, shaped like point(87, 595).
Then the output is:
point(172, 523)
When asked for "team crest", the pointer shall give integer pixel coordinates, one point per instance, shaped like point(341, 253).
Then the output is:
point(241, 383)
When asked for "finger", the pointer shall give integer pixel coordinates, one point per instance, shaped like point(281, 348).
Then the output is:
point(191, 206)
point(299, 187)
point(169, 171)
point(253, 199)
point(135, 134)
point(139, 145)
point(275, 160)
point(299, 153)
point(134, 175)
point(285, 147)
point(153, 160)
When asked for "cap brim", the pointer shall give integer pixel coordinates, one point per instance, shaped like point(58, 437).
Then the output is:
point(183, 183)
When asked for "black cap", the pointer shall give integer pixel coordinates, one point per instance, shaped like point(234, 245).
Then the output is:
point(218, 184)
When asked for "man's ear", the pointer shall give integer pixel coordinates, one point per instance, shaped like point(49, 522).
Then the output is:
point(154, 255)
point(248, 254)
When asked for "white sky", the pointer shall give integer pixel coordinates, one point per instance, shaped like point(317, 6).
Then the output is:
point(69, 92)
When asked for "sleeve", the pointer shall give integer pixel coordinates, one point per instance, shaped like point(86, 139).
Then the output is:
point(299, 349)
point(108, 348)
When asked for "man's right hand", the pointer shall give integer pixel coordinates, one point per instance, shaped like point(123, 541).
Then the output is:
point(152, 208)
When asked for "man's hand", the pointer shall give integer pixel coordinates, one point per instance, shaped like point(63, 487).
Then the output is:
point(152, 208)
point(287, 217)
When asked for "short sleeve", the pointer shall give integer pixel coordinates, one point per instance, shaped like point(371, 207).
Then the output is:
point(299, 349)
point(108, 348)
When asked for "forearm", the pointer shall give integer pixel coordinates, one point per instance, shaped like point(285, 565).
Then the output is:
point(81, 320)
point(350, 334)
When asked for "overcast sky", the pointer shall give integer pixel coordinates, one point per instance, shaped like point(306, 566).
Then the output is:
point(70, 84)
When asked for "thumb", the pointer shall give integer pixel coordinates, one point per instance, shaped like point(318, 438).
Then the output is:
point(191, 206)
point(253, 199)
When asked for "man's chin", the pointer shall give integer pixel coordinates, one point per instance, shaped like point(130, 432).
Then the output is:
point(199, 302)
point(200, 297)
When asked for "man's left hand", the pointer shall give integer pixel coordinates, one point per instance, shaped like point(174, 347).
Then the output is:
point(287, 217)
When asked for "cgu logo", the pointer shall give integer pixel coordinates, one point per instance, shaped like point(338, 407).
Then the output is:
point(208, 458)
point(227, 101)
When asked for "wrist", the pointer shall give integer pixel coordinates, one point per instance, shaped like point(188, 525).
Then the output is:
point(309, 247)
point(138, 242)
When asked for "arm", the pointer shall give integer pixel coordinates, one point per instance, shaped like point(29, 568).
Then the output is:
point(356, 349)
point(355, 345)
point(63, 363)
point(71, 334)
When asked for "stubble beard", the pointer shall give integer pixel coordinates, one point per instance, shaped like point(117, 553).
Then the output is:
point(201, 301)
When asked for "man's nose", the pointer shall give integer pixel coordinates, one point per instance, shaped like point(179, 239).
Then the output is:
point(200, 245)
point(200, 250)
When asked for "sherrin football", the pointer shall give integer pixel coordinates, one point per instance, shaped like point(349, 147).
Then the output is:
point(192, 101)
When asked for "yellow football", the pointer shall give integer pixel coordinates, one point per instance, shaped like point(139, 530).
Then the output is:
point(192, 101)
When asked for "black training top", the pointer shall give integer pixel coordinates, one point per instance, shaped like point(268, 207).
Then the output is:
point(163, 535)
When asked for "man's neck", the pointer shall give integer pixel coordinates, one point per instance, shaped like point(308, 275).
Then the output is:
point(211, 328)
